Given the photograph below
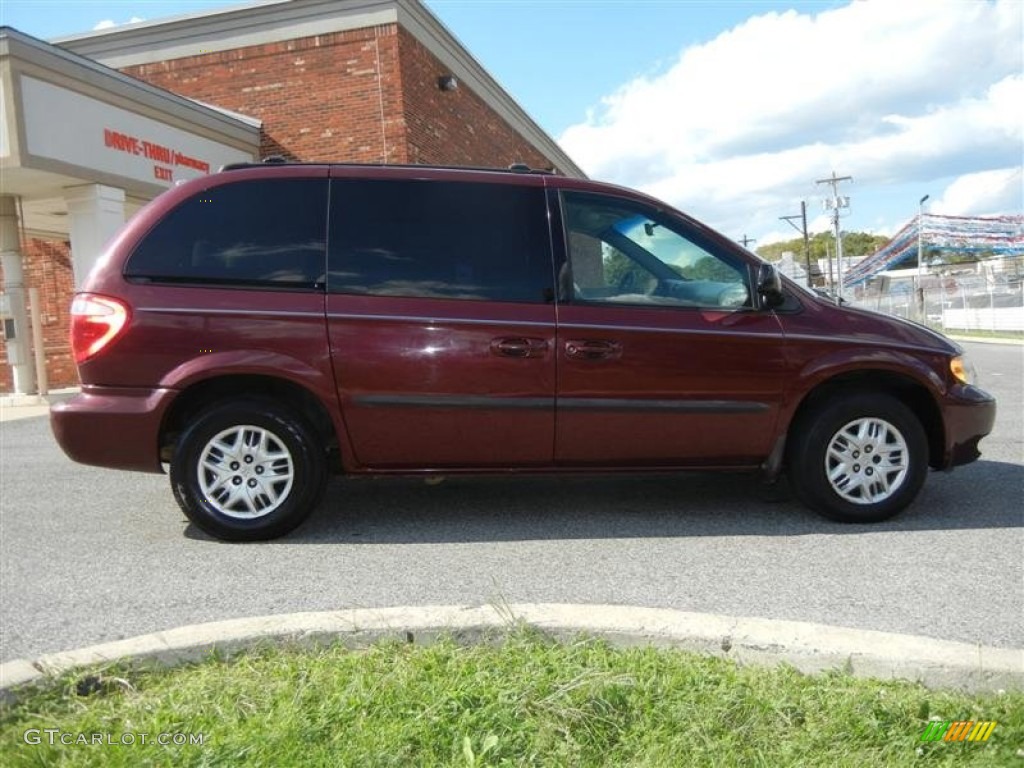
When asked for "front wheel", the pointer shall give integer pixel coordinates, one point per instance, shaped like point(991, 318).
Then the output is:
point(858, 458)
point(247, 471)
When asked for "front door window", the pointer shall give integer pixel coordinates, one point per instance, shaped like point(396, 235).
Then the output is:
point(626, 254)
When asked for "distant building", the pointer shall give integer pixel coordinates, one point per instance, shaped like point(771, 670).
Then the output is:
point(788, 266)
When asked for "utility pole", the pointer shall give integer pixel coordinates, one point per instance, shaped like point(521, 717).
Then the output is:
point(803, 229)
point(745, 240)
point(835, 203)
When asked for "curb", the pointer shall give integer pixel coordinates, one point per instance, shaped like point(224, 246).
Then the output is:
point(16, 406)
point(17, 400)
point(1006, 342)
point(808, 647)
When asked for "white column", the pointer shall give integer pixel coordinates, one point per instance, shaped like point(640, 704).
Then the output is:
point(19, 348)
point(95, 214)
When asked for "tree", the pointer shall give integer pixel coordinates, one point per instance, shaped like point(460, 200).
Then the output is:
point(616, 265)
point(854, 244)
point(709, 268)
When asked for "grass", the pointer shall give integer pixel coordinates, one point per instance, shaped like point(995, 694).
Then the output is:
point(982, 334)
point(522, 700)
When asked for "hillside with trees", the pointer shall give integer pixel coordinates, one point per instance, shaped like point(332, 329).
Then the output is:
point(854, 244)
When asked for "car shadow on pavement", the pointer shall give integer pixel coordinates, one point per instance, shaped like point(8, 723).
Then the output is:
point(469, 509)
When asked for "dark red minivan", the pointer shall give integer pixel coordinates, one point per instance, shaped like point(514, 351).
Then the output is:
point(264, 327)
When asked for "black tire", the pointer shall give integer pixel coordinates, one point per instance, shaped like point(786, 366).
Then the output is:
point(273, 494)
point(877, 468)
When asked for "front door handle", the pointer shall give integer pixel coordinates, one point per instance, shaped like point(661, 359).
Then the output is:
point(591, 349)
point(519, 347)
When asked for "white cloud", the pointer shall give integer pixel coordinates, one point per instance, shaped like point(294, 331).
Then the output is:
point(110, 23)
point(988, 192)
point(738, 129)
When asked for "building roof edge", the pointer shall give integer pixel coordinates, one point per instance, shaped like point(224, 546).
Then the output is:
point(19, 45)
point(279, 20)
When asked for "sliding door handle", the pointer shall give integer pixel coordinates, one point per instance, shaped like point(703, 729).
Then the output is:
point(519, 347)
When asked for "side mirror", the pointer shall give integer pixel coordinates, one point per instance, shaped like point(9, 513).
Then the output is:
point(769, 286)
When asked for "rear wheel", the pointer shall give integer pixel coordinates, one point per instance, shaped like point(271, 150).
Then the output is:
point(858, 458)
point(248, 470)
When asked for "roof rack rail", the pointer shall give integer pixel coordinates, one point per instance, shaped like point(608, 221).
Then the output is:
point(268, 160)
point(279, 160)
point(524, 168)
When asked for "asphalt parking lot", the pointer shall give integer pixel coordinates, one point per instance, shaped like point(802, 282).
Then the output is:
point(92, 555)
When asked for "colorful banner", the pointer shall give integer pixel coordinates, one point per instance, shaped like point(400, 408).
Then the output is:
point(1002, 235)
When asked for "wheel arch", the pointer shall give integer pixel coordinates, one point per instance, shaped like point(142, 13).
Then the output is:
point(232, 387)
point(912, 393)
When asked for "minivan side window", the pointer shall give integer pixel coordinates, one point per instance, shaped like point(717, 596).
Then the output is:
point(261, 233)
point(624, 252)
point(434, 239)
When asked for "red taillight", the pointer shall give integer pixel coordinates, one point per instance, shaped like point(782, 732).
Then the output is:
point(95, 322)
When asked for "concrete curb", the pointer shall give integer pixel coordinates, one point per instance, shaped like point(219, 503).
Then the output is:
point(14, 406)
point(808, 647)
point(1007, 342)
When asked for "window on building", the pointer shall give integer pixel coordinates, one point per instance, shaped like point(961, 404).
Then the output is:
point(435, 239)
point(265, 233)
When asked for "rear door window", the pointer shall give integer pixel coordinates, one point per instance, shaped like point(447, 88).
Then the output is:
point(262, 233)
point(438, 239)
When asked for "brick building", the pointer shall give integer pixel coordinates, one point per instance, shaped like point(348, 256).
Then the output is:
point(320, 80)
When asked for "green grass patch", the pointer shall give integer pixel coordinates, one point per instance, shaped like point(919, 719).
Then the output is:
point(522, 700)
point(979, 334)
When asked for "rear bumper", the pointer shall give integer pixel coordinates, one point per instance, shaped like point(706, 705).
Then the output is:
point(969, 417)
point(112, 427)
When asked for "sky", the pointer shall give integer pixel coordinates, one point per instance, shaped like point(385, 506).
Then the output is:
point(731, 110)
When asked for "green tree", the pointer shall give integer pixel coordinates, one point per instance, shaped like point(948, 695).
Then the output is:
point(616, 266)
point(709, 268)
point(823, 243)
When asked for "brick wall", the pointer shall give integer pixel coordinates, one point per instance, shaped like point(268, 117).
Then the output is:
point(320, 98)
point(453, 127)
point(47, 267)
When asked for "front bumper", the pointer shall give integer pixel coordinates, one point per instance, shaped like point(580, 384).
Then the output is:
point(969, 416)
point(112, 427)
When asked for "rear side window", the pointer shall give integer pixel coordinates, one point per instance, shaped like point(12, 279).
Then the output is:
point(434, 239)
point(264, 233)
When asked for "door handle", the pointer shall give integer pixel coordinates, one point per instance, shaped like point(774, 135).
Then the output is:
point(589, 349)
point(519, 347)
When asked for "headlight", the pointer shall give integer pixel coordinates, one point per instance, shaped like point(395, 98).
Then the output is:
point(962, 370)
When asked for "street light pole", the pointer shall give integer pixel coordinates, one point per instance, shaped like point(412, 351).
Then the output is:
point(920, 257)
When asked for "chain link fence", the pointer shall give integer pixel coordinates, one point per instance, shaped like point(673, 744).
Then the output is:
point(981, 295)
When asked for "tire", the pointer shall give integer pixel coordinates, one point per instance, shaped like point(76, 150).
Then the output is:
point(858, 458)
point(248, 470)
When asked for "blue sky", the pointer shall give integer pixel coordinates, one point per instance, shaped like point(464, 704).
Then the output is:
point(731, 110)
